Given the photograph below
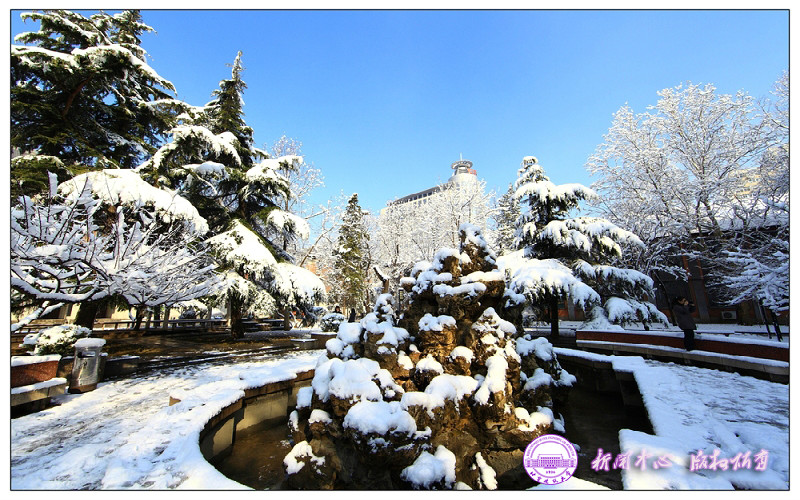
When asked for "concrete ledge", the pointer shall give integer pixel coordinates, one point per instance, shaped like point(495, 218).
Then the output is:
point(41, 390)
point(775, 371)
point(225, 413)
point(263, 405)
point(121, 366)
point(754, 349)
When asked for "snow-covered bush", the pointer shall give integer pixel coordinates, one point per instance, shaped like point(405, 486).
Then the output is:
point(330, 322)
point(56, 339)
point(316, 314)
point(573, 258)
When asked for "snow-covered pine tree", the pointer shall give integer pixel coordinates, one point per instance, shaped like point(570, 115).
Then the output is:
point(226, 112)
point(505, 219)
point(82, 92)
point(588, 246)
point(240, 190)
point(352, 257)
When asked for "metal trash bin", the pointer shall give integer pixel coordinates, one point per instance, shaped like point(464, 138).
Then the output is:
point(86, 366)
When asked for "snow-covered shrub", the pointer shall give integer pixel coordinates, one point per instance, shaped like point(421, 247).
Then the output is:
point(56, 339)
point(316, 314)
point(330, 322)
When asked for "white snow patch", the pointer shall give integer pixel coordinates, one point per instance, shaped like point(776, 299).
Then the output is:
point(300, 450)
point(428, 363)
point(428, 469)
point(380, 417)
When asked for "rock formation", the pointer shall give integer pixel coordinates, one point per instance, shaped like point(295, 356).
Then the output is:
point(444, 395)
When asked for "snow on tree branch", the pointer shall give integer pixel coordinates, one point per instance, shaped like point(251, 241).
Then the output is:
point(77, 248)
point(118, 187)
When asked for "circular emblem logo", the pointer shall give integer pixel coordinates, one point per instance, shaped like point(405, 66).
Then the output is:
point(550, 459)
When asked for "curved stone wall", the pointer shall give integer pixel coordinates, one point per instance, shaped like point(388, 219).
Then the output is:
point(267, 404)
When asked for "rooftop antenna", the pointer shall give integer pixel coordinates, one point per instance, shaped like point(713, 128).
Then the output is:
point(462, 165)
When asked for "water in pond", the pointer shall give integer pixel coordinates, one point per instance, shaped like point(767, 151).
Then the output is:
point(257, 457)
point(592, 421)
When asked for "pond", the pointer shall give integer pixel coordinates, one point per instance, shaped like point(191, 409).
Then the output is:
point(257, 457)
point(592, 420)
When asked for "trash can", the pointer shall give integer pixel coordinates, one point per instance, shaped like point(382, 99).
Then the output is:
point(86, 366)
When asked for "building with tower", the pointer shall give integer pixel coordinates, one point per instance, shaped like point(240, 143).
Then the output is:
point(464, 177)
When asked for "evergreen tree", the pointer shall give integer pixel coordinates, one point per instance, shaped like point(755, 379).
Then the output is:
point(226, 112)
point(352, 256)
point(588, 246)
point(82, 98)
point(240, 191)
point(506, 218)
point(82, 92)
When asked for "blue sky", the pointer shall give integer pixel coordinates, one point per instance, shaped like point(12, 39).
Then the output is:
point(385, 101)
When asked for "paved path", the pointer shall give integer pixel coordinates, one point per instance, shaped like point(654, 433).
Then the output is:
point(123, 434)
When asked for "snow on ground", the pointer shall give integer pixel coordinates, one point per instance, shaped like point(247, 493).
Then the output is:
point(123, 435)
point(695, 409)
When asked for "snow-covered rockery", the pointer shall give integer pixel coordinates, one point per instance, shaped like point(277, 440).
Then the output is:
point(440, 395)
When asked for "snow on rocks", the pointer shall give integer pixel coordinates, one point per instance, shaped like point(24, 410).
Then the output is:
point(495, 380)
point(379, 417)
point(429, 364)
point(432, 471)
point(319, 416)
point(304, 397)
point(435, 323)
point(441, 373)
point(346, 382)
point(488, 476)
point(462, 352)
point(539, 347)
point(301, 454)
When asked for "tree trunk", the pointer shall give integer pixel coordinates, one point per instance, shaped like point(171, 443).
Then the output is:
point(287, 318)
point(237, 327)
point(763, 311)
point(166, 317)
point(141, 311)
point(775, 325)
point(87, 312)
point(554, 316)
